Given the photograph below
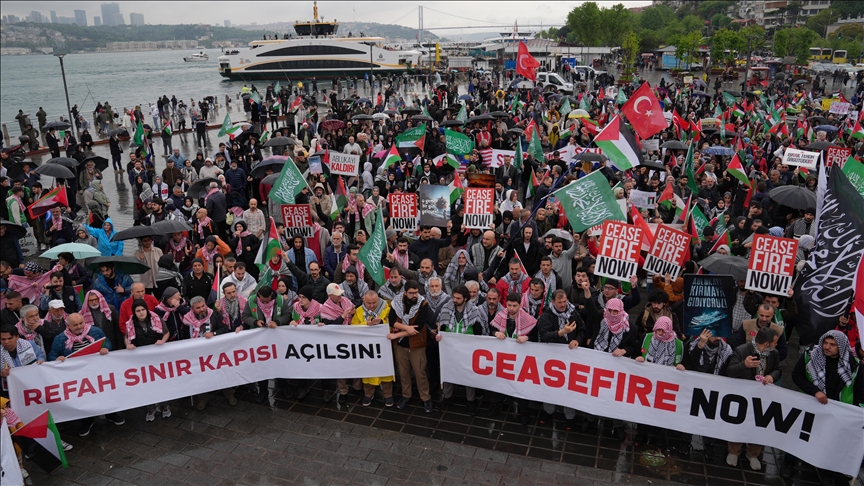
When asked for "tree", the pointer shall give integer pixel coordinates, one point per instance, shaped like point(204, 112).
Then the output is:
point(848, 9)
point(711, 8)
point(720, 21)
point(630, 46)
point(654, 18)
point(819, 22)
point(692, 23)
point(615, 22)
point(800, 41)
point(781, 43)
point(726, 40)
point(686, 46)
point(650, 41)
point(583, 22)
point(754, 39)
point(850, 31)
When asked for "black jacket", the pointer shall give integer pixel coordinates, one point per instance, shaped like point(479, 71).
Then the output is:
point(736, 368)
point(547, 328)
point(833, 384)
point(629, 342)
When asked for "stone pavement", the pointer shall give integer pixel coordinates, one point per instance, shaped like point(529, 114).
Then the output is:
point(317, 443)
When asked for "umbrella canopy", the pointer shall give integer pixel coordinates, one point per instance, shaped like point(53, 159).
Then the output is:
point(101, 163)
point(819, 120)
point(718, 150)
point(79, 250)
point(699, 82)
point(796, 197)
point(800, 82)
point(13, 230)
point(451, 123)
point(16, 169)
point(270, 180)
point(54, 170)
point(361, 118)
point(273, 163)
point(391, 112)
point(654, 165)
point(821, 146)
point(134, 232)
point(280, 142)
point(466, 97)
point(64, 161)
point(736, 94)
point(421, 118)
point(726, 265)
point(592, 157)
point(410, 110)
point(674, 145)
point(578, 113)
point(380, 116)
point(364, 100)
point(827, 128)
point(58, 125)
point(123, 264)
point(200, 188)
point(701, 93)
point(481, 118)
point(780, 76)
point(170, 226)
point(115, 132)
point(560, 233)
point(499, 114)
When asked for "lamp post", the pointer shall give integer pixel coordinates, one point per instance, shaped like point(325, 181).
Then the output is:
point(371, 71)
point(60, 52)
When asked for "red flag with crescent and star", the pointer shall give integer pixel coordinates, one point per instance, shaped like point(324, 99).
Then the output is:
point(526, 65)
point(644, 112)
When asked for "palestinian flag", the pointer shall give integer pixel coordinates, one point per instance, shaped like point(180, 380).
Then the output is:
point(531, 190)
point(40, 441)
point(750, 193)
point(589, 127)
point(736, 170)
point(167, 129)
point(92, 348)
point(456, 189)
point(79, 293)
point(413, 138)
point(54, 199)
point(724, 239)
point(392, 157)
point(667, 197)
point(737, 111)
point(447, 158)
point(639, 221)
point(340, 198)
point(278, 106)
point(619, 144)
point(264, 137)
point(857, 130)
point(780, 129)
point(269, 248)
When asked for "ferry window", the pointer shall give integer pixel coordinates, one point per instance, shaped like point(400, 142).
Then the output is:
point(310, 64)
point(311, 51)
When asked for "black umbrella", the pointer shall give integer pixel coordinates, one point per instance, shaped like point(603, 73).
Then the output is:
point(796, 197)
point(270, 180)
point(13, 230)
point(117, 132)
point(134, 232)
point(101, 163)
point(733, 93)
point(54, 170)
point(451, 123)
point(818, 120)
point(391, 112)
point(200, 188)
point(800, 82)
point(364, 100)
point(821, 146)
point(280, 142)
point(273, 163)
point(410, 110)
point(499, 114)
point(592, 157)
point(361, 118)
point(421, 118)
point(674, 145)
point(170, 226)
point(654, 165)
point(780, 76)
point(64, 161)
point(517, 131)
point(59, 125)
point(16, 169)
point(122, 264)
point(481, 118)
point(726, 265)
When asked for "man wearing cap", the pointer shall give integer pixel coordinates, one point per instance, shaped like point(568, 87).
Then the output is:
point(54, 323)
point(336, 309)
point(353, 288)
point(610, 291)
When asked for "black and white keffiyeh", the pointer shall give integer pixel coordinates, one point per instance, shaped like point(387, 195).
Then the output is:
point(816, 365)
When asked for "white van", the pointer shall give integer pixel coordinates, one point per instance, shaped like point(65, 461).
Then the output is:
point(555, 80)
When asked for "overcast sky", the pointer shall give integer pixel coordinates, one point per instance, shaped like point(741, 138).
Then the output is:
point(403, 13)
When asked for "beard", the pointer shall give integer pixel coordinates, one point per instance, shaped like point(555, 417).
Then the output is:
point(409, 303)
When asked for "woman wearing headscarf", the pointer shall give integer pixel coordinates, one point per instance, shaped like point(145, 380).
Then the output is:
point(245, 246)
point(167, 276)
point(75, 273)
point(286, 290)
point(85, 238)
point(454, 276)
point(170, 310)
point(510, 202)
point(145, 328)
point(96, 311)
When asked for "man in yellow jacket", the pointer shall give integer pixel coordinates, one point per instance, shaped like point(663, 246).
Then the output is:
point(373, 312)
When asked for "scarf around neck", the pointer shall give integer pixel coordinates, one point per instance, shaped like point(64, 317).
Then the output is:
point(202, 223)
point(361, 269)
point(195, 323)
point(71, 339)
point(311, 313)
point(333, 311)
point(26, 333)
point(87, 312)
point(718, 354)
point(398, 306)
point(155, 325)
point(231, 310)
point(524, 322)
point(816, 366)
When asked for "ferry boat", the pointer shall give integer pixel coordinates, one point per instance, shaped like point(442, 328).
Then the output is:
point(316, 51)
point(199, 57)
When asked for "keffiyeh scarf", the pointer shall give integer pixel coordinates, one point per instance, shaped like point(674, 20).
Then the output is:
point(87, 312)
point(71, 339)
point(311, 313)
point(361, 269)
point(195, 323)
point(333, 311)
point(398, 306)
point(816, 365)
point(154, 323)
point(718, 354)
point(524, 323)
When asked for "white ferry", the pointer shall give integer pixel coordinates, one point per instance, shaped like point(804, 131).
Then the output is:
point(316, 51)
point(199, 57)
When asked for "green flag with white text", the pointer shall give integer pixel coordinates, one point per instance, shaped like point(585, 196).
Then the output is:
point(462, 116)
point(371, 252)
point(589, 201)
point(288, 185)
point(458, 143)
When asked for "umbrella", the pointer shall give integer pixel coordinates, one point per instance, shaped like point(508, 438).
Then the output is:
point(273, 163)
point(421, 118)
point(554, 97)
point(64, 161)
point(54, 170)
point(499, 114)
point(122, 264)
point(200, 188)
point(818, 120)
point(134, 232)
point(170, 226)
point(780, 76)
point(699, 82)
point(560, 233)
point(796, 197)
point(270, 180)
point(578, 113)
point(16, 169)
point(451, 123)
point(701, 93)
point(361, 118)
point(800, 82)
point(332, 124)
point(827, 128)
point(78, 250)
point(246, 96)
point(654, 165)
point(101, 163)
point(733, 93)
point(59, 125)
point(466, 97)
point(821, 146)
point(380, 116)
point(718, 150)
point(13, 230)
point(117, 132)
point(710, 121)
point(410, 110)
point(480, 118)
point(280, 142)
point(391, 112)
point(674, 145)
point(592, 157)
point(364, 100)
point(516, 130)
point(726, 265)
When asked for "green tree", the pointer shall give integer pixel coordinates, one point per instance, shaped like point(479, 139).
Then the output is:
point(720, 21)
point(781, 43)
point(654, 18)
point(630, 46)
point(692, 23)
point(711, 8)
point(672, 30)
point(686, 46)
point(820, 21)
point(726, 40)
point(800, 41)
point(615, 22)
point(754, 40)
point(847, 9)
point(583, 22)
point(850, 31)
point(650, 41)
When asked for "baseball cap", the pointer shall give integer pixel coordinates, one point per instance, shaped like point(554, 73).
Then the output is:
point(334, 289)
point(56, 304)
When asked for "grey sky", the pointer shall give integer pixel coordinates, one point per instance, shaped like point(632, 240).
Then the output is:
point(182, 12)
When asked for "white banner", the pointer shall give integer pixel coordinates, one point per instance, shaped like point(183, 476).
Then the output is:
point(827, 436)
point(643, 199)
point(839, 108)
point(801, 158)
point(10, 471)
point(344, 164)
point(96, 385)
point(498, 157)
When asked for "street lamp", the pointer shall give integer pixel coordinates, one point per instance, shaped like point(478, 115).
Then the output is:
point(60, 52)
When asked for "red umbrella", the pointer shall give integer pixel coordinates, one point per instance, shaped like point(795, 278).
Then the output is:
point(332, 124)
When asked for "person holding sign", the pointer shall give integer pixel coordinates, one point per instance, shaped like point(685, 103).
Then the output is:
point(514, 322)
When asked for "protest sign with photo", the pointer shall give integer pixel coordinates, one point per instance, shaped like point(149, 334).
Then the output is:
point(839, 108)
point(619, 250)
point(772, 264)
point(668, 253)
point(801, 158)
point(434, 204)
point(708, 302)
point(837, 155)
point(643, 199)
point(315, 165)
point(297, 219)
point(403, 211)
point(479, 207)
point(344, 164)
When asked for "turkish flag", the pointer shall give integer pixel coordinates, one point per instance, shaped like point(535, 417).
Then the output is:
point(644, 112)
point(526, 65)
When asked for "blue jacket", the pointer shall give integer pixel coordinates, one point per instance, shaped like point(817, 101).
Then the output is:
point(332, 259)
point(236, 178)
point(58, 348)
point(106, 246)
point(308, 254)
point(179, 160)
point(108, 291)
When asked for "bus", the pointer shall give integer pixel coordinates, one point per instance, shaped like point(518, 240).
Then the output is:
point(839, 57)
point(820, 54)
